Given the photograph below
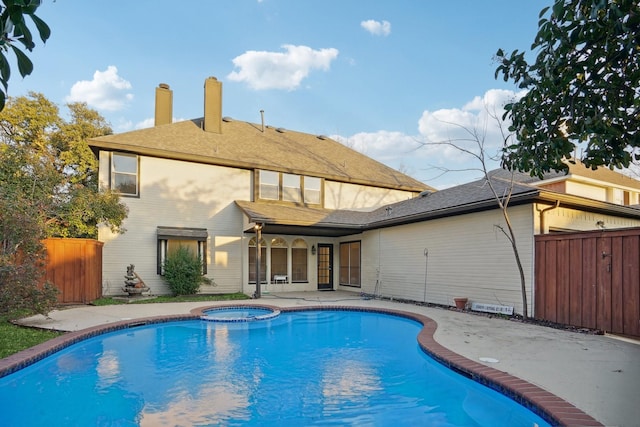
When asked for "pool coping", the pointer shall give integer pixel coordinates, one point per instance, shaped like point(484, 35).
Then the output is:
point(550, 407)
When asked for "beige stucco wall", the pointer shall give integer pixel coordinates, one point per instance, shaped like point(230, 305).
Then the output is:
point(461, 256)
point(178, 194)
point(340, 195)
point(184, 194)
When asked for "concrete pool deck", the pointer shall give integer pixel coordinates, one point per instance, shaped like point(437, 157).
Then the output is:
point(598, 374)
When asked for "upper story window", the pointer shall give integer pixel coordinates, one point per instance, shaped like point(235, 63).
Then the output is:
point(124, 174)
point(269, 185)
point(312, 190)
point(289, 187)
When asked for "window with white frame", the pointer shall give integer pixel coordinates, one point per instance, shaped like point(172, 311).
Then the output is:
point(124, 174)
point(269, 185)
point(288, 187)
point(312, 190)
point(291, 188)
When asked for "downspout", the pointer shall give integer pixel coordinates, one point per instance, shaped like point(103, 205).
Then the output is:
point(542, 212)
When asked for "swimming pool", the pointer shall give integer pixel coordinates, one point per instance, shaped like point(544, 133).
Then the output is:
point(313, 367)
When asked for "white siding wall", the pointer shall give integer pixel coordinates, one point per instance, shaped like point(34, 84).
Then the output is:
point(467, 257)
point(339, 195)
point(178, 194)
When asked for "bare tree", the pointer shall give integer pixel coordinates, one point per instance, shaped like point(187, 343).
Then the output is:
point(473, 143)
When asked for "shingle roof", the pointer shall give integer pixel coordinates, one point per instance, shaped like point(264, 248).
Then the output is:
point(465, 198)
point(283, 219)
point(243, 144)
point(473, 195)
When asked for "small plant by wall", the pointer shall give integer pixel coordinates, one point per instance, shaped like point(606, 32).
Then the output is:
point(183, 272)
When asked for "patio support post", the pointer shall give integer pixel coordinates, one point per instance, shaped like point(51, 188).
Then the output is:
point(258, 229)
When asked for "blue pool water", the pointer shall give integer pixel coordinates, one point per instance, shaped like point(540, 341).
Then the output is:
point(329, 368)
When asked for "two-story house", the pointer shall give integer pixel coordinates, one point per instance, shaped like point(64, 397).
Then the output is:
point(307, 213)
point(184, 184)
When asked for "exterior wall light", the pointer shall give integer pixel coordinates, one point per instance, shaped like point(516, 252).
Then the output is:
point(313, 249)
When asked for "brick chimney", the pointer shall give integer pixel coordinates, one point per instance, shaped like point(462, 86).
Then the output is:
point(164, 105)
point(212, 105)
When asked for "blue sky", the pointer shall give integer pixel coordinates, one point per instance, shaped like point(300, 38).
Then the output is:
point(387, 78)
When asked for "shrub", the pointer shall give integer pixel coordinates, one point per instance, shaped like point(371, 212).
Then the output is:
point(183, 272)
point(19, 288)
point(22, 254)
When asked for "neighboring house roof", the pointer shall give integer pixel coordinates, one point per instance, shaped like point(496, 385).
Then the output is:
point(466, 198)
point(245, 145)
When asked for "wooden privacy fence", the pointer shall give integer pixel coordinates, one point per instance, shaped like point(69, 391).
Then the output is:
point(589, 279)
point(74, 266)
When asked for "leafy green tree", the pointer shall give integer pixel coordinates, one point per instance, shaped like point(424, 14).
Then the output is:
point(32, 131)
point(14, 30)
point(48, 187)
point(582, 88)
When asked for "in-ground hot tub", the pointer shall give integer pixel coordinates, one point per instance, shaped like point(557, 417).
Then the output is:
point(240, 314)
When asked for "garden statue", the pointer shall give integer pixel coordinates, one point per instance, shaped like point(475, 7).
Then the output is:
point(133, 283)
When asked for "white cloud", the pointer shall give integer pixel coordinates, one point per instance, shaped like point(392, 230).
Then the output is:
point(107, 91)
point(382, 145)
point(377, 28)
point(480, 118)
point(146, 123)
point(428, 153)
point(150, 122)
point(122, 125)
point(280, 70)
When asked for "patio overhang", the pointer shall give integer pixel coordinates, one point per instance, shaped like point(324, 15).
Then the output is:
point(300, 220)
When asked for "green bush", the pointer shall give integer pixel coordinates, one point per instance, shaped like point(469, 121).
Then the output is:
point(183, 272)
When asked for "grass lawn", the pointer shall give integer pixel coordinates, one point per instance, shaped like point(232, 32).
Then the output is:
point(165, 298)
point(14, 338)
